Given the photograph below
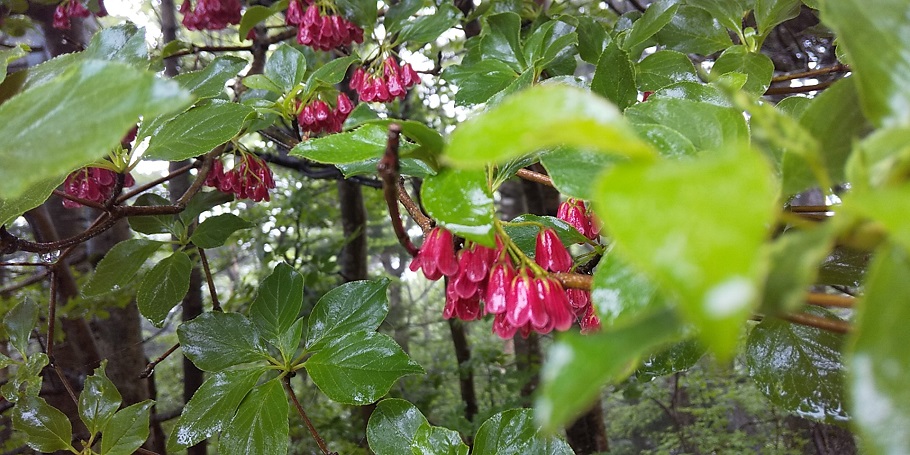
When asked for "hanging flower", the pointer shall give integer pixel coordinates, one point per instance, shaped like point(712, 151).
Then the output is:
point(322, 32)
point(393, 81)
point(251, 178)
point(94, 184)
point(574, 212)
point(436, 256)
point(319, 117)
point(550, 253)
point(210, 14)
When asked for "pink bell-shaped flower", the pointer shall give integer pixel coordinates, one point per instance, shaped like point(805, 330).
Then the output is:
point(436, 256)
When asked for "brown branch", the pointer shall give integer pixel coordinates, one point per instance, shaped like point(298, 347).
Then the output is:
point(38, 277)
point(830, 300)
point(818, 322)
point(216, 305)
point(150, 368)
point(805, 88)
point(79, 200)
point(306, 420)
point(528, 174)
point(809, 208)
point(51, 314)
point(287, 34)
point(413, 209)
point(574, 280)
point(838, 68)
point(388, 168)
point(157, 181)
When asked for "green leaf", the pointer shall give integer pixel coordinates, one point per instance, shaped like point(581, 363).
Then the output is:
point(8, 55)
point(153, 224)
point(32, 197)
point(198, 130)
point(127, 430)
point(27, 380)
point(501, 40)
point(359, 367)
point(364, 143)
point(623, 295)
point(592, 38)
point(286, 67)
point(877, 358)
point(655, 18)
point(428, 138)
point(518, 126)
point(47, 428)
point(833, 119)
point(33, 127)
point(361, 12)
point(708, 126)
point(288, 341)
point(574, 171)
point(769, 13)
point(438, 441)
point(729, 210)
point(332, 72)
point(664, 68)
point(122, 43)
point(886, 206)
point(209, 82)
point(212, 406)
point(694, 31)
point(278, 302)
point(461, 201)
point(351, 307)
point(98, 400)
point(795, 260)
point(19, 323)
point(215, 341)
point(614, 78)
point(214, 231)
point(678, 357)
point(757, 66)
point(261, 82)
point(424, 29)
point(398, 13)
point(799, 367)
point(479, 81)
point(164, 287)
point(667, 141)
point(844, 266)
point(514, 431)
point(393, 425)
point(260, 425)
point(409, 166)
point(201, 202)
point(525, 235)
point(578, 366)
point(255, 14)
point(120, 265)
point(879, 55)
point(730, 13)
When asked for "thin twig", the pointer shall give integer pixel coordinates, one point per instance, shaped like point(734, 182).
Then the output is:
point(146, 451)
point(528, 174)
point(830, 300)
point(79, 200)
point(157, 181)
point(818, 322)
point(150, 368)
point(25, 264)
point(38, 277)
point(306, 420)
point(51, 314)
point(388, 172)
point(803, 89)
point(66, 383)
point(812, 73)
point(216, 305)
point(422, 220)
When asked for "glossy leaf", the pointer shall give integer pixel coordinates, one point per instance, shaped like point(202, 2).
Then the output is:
point(833, 119)
point(655, 18)
point(85, 87)
point(19, 323)
point(694, 31)
point(799, 367)
point(730, 13)
point(424, 29)
point(578, 366)
point(574, 171)
point(122, 43)
point(408, 166)
point(361, 12)
point(212, 406)
point(667, 141)
point(769, 13)
point(795, 260)
point(479, 81)
point(332, 72)
point(278, 301)
point(623, 295)
point(288, 341)
point(438, 441)
point(878, 359)
point(360, 367)
point(215, 341)
point(730, 210)
point(214, 231)
point(47, 428)
point(614, 78)
point(397, 14)
point(364, 143)
point(286, 67)
point(352, 307)
point(517, 126)
point(879, 55)
point(163, 287)
point(461, 201)
point(844, 266)
point(198, 130)
point(260, 425)
point(118, 267)
point(8, 55)
point(757, 66)
point(201, 202)
point(127, 430)
point(33, 196)
point(515, 432)
point(501, 40)
point(592, 39)
point(525, 235)
point(261, 82)
point(98, 401)
point(209, 82)
point(663, 68)
point(27, 380)
point(676, 358)
point(393, 425)
point(153, 224)
point(255, 14)
point(428, 138)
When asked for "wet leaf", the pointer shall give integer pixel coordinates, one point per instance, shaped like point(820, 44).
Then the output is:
point(655, 18)
point(164, 286)
point(614, 77)
point(209, 82)
point(33, 196)
point(214, 231)
point(122, 43)
point(261, 423)
point(461, 201)
point(525, 235)
point(127, 430)
point(215, 341)
point(286, 67)
point(47, 428)
point(663, 68)
point(393, 425)
point(574, 171)
point(677, 357)
point(438, 441)
point(366, 142)
point(98, 401)
point(769, 13)
point(278, 302)
point(197, 131)
point(154, 224)
point(833, 119)
point(514, 432)
point(795, 260)
point(694, 31)
point(756, 66)
point(19, 323)
point(118, 267)
point(351, 307)
point(622, 295)
point(424, 29)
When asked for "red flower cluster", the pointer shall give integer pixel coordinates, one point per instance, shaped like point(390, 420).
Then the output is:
point(72, 8)
point(318, 117)
point(250, 179)
point(210, 14)
point(574, 212)
point(94, 184)
point(321, 32)
point(394, 82)
point(483, 280)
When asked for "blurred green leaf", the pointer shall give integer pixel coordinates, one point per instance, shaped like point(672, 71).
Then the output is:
point(770, 13)
point(574, 171)
point(694, 31)
point(623, 295)
point(795, 260)
point(675, 358)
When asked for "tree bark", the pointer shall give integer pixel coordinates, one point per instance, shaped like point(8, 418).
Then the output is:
point(465, 371)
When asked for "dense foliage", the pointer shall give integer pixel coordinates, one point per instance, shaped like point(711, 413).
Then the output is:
point(706, 220)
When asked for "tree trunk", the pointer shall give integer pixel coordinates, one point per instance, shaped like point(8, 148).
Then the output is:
point(465, 371)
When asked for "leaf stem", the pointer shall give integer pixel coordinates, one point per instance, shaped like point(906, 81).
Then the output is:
point(306, 420)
